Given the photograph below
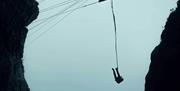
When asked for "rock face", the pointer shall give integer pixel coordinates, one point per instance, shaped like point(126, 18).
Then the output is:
point(15, 15)
point(164, 70)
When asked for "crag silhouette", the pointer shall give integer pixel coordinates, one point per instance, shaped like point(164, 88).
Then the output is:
point(164, 70)
point(15, 15)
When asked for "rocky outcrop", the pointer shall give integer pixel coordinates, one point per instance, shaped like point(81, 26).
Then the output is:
point(164, 70)
point(15, 15)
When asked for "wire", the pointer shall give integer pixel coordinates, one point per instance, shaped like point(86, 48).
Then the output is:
point(55, 15)
point(51, 19)
point(57, 5)
point(115, 32)
point(55, 24)
point(66, 2)
point(44, 20)
point(70, 10)
point(82, 7)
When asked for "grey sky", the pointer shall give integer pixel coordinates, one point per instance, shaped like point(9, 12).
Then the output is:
point(78, 53)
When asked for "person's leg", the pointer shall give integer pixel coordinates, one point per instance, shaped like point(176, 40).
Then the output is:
point(114, 73)
point(119, 78)
point(117, 71)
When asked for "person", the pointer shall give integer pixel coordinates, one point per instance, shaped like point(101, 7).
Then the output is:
point(117, 77)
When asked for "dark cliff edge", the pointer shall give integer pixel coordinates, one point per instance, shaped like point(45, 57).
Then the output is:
point(164, 70)
point(15, 15)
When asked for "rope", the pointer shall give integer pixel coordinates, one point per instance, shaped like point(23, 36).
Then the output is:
point(46, 21)
point(40, 1)
point(49, 29)
point(55, 15)
point(67, 11)
point(57, 5)
point(115, 33)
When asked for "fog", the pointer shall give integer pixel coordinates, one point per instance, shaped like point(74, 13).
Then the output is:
point(77, 54)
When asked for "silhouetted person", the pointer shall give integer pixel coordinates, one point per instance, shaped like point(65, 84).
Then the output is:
point(117, 77)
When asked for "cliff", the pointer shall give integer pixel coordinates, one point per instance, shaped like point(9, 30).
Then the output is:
point(164, 70)
point(15, 15)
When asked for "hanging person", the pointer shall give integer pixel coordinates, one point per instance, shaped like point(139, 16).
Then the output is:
point(117, 77)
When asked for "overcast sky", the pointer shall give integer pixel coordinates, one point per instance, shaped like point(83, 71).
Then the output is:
point(78, 53)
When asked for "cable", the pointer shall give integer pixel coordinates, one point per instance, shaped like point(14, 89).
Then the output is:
point(57, 5)
point(46, 21)
point(55, 24)
point(49, 20)
point(82, 7)
point(69, 11)
point(51, 27)
point(115, 32)
point(66, 2)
